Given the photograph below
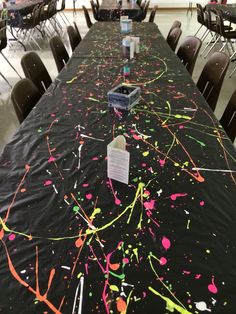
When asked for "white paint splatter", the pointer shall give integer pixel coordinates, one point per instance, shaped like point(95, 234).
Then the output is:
point(201, 306)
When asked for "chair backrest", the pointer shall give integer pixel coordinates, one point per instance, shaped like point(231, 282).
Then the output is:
point(209, 23)
point(200, 14)
point(35, 70)
point(228, 119)
point(23, 102)
point(87, 17)
point(59, 52)
point(174, 25)
point(173, 38)
point(146, 9)
point(188, 52)
point(212, 77)
point(3, 34)
point(94, 9)
point(220, 28)
point(152, 15)
point(73, 37)
point(77, 32)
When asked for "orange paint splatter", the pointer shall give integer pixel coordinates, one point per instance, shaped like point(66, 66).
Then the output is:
point(1, 234)
point(79, 242)
point(121, 305)
point(23, 190)
point(114, 266)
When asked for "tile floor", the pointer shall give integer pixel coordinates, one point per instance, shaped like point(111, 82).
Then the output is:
point(164, 18)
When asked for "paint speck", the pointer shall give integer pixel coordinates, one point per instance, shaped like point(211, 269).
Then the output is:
point(89, 196)
point(174, 196)
point(181, 127)
point(85, 185)
point(162, 162)
point(48, 182)
point(51, 159)
point(163, 261)
point(23, 190)
point(114, 266)
point(136, 137)
point(125, 260)
point(79, 242)
point(166, 243)
point(202, 203)
point(121, 305)
point(212, 287)
point(117, 201)
point(145, 154)
point(201, 306)
point(11, 237)
point(149, 205)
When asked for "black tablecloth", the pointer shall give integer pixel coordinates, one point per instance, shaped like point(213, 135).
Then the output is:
point(70, 237)
point(228, 11)
point(110, 10)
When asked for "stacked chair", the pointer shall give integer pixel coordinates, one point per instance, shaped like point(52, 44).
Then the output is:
point(3, 45)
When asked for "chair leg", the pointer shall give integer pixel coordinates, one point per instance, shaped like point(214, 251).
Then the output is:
point(216, 41)
point(214, 37)
point(62, 13)
point(5, 79)
point(232, 72)
point(198, 30)
point(10, 64)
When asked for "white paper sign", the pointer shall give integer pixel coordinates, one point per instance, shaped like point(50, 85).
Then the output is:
point(118, 160)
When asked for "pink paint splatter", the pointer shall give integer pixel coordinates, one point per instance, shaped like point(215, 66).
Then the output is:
point(149, 205)
point(147, 192)
point(162, 162)
point(11, 237)
point(89, 196)
point(212, 287)
point(51, 159)
point(86, 268)
point(186, 272)
point(117, 201)
point(163, 261)
point(136, 137)
point(95, 158)
point(202, 203)
point(174, 196)
point(85, 185)
point(198, 276)
point(48, 182)
point(125, 260)
point(144, 165)
point(166, 243)
point(181, 127)
point(144, 294)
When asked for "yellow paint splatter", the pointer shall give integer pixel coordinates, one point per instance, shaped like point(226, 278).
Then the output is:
point(170, 305)
point(145, 154)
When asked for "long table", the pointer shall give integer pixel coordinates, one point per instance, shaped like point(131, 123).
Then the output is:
point(73, 241)
point(111, 10)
